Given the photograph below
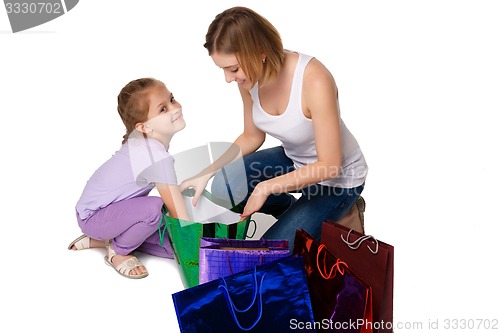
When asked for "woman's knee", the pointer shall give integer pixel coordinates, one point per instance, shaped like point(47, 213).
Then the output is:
point(230, 185)
point(218, 187)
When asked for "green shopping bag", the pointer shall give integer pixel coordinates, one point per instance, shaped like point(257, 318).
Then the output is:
point(185, 237)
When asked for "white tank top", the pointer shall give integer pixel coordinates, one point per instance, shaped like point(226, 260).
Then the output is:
point(295, 131)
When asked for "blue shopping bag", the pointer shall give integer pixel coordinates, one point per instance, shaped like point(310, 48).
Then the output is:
point(272, 297)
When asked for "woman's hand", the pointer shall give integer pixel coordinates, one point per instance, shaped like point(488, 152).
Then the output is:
point(256, 200)
point(198, 183)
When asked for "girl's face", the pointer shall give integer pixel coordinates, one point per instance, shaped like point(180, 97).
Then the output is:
point(164, 115)
point(232, 70)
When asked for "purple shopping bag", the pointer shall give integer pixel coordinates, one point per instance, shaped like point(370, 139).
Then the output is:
point(220, 257)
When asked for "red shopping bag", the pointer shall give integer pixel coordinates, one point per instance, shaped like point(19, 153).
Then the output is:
point(341, 301)
point(372, 260)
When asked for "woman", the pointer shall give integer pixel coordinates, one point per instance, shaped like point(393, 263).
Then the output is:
point(292, 97)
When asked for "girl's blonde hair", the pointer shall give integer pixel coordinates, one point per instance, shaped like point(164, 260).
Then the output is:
point(133, 103)
point(247, 35)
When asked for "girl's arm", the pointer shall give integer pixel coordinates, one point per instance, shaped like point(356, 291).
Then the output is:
point(172, 197)
point(320, 104)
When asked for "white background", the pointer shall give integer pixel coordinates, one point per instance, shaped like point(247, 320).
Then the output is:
point(419, 86)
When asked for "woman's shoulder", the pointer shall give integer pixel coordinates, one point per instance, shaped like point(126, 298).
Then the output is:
point(317, 73)
point(314, 66)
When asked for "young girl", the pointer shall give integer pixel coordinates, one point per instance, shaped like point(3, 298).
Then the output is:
point(114, 210)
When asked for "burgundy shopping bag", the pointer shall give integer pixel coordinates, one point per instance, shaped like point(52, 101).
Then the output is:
point(341, 301)
point(220, 257)
point(372, 260)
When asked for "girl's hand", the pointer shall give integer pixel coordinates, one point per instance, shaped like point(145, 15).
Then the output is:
point(198, 183)
point(256, 200)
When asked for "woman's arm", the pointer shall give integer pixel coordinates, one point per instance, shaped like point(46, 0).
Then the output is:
point(320, 104)
point(247, 142)
point(252, 138)
point(172, 197)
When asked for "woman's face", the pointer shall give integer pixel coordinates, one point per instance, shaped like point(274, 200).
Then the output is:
point(232, 70)
point(165, 113)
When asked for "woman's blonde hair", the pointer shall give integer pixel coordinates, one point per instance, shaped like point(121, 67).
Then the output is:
point(133, 103)
point(247, 35)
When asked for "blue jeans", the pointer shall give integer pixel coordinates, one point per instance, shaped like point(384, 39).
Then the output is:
point(317, 203)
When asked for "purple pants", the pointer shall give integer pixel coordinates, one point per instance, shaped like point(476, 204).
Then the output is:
point(131, 224)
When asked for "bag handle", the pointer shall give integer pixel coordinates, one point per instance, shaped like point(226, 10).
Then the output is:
point(232, 307)
point(162, 227)
point(337, 267)
point(254, 230)
point(228, 187)
point(357, 243)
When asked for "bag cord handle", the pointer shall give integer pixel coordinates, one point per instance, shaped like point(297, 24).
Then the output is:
point(357, 243)
point(162, 228)
point(232, 307)
point(339, 266)
point(228, 187)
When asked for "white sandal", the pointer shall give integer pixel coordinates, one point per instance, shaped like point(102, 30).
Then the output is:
point(81, 243)
point(126, 266)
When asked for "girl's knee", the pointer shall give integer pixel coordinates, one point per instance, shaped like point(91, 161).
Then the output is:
point(154, 213)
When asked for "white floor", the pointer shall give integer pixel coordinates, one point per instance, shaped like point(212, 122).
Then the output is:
point(418, 87)
point(97, 299)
